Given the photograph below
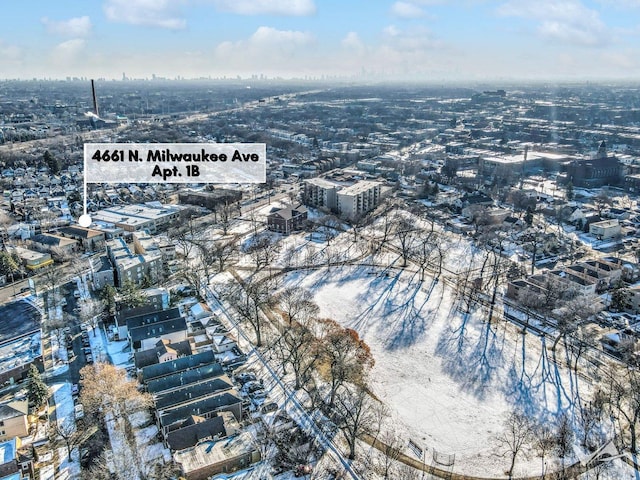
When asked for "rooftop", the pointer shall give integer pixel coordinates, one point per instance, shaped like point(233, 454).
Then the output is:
point(18, 319)
point(359, 187)
point(212, 452)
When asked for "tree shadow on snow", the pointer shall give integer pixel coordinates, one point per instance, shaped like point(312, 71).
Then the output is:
point(472, 356)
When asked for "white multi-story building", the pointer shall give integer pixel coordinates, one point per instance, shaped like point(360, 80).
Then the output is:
point(359, 198)
point(320, 193)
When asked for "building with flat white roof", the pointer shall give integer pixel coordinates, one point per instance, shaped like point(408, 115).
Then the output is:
point(606, 229)
point(150, 216)
point(319, 192)
point(359, 198)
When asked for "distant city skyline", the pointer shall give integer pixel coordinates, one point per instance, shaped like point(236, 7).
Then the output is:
point(416, 40)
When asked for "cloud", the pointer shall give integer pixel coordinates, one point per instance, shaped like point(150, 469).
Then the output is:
point(74, 27)
point(268, 7)
point(407, 10)
point(621, 4)
point(153, 13)
point(391, 31)
point(568, 21)
point(352, 41)
point(9, 53)
point(67, 53)
point(267, 50)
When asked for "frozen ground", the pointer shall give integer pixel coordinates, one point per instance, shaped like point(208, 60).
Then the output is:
point(450, 380)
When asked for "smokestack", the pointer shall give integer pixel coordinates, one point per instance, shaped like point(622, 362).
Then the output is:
point(95, 100)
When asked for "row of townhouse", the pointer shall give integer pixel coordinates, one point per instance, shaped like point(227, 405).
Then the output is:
point(589, 277)
point(198, 412)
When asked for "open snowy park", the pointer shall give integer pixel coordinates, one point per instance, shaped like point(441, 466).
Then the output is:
point(450, 379)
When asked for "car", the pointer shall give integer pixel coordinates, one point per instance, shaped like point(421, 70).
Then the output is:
point(78, 411)
point(245, 377)
point(63, 302)
point(89, 359)
point(269, 407)
point(76, 294)
point(258, 395)
point(251, 387)
point(74, 389)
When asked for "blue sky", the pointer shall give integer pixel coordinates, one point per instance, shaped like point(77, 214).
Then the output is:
point(430, 40)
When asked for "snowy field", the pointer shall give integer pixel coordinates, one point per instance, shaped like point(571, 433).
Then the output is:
point(450, 380)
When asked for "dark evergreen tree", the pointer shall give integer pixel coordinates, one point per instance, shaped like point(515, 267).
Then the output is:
point(620, 297)
point(528, 216)
point(37, 390)
point(52, 162)
point(569, 191)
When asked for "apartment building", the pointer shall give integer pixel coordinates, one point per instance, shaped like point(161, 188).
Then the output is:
point(131, 263)
point(320, 193)
point(359, 198)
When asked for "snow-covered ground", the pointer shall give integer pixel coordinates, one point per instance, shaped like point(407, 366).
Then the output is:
point(63, 400)
point(450, 380)
point(59, 355)
point(68, 467)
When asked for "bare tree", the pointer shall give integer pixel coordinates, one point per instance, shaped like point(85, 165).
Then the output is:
point(224, 251)
point(391, 452)
point(98, 470)
point(428, 253)
point(329, 227)
point(263, 249)
point(225, 216)
point(405, 232)
point(249, 300)
point(346, 356)
point(302, 350)
point(516, 435)
point(205, 259)
point(194, 275)
point(384, 227)
point(52, 278)
point(90, 312)
point(297, 305)
point(67, 431)
point(590, 415)
point(564, 438)
point(353, 414)
point(165, 471)
point(623, 399)
point(543, 441)
point(573, 313)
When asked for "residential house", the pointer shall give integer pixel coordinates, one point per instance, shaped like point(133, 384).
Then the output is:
point(14, 465)
point(164, 351)
point(90, 239)
point(54, 244)
point(286, 220)
point(606, 229)
point(195, 430)
point(13, 419)
point(222, 456)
